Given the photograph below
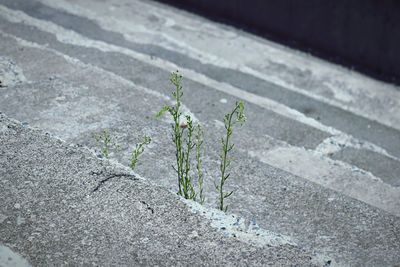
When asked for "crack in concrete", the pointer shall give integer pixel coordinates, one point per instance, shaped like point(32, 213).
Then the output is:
point(147, 206)
point(110, 176)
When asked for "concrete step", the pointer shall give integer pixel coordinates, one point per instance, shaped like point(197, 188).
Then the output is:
point(383, 138)
point(63, 206)
point(199, 39)
point(292, 128)
point(82, 100)
point(293, 174)
point(337, 117)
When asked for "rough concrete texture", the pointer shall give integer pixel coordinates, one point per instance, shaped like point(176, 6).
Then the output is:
point(59, 210)
point(316, 162)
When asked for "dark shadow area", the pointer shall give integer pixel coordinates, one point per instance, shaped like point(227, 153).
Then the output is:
point(362, 35)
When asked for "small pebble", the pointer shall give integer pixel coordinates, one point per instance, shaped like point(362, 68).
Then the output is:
point(194, 234)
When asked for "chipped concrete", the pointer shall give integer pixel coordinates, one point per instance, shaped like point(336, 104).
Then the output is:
point(69, 224)
point(10, 74)
point(289, 68)
point(90, 68)
point(379, 165)
point(294, 104)
point(236, 226)
point(9, 258)
point(69, 37)
point(334, 174)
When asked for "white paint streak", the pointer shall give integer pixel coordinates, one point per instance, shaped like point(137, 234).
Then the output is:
point(10, 258)
point(336, 143)
point(380, 194)
point(78, 63)
point(248, 231)
point(238, 227)
point(337, 175)
point(70, 37)
point(200, 39)
point(62, 127)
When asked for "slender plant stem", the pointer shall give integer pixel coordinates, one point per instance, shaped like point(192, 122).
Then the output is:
point(182, 134)
point(199, 142)
point(139, 149)
point(226, 148)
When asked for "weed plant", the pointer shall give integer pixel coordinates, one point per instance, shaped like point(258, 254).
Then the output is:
point(106, 143)
point(199, 142)
point(182, 137)
point(230, 119)
point(186, 137)
point(139, 149)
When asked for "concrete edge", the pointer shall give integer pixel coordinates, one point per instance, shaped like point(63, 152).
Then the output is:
point(229, 225)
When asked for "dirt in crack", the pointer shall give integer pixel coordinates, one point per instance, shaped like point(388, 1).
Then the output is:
point(109, 176)
point(147, 206)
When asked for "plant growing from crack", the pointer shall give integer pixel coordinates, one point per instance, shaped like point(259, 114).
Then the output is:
point(182, 136)
point(199, 142)
point(106, 143)
point(230, 120)
point(139, 149)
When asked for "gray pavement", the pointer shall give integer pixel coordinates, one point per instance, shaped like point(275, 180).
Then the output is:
point(54, 213)
point(312, 163)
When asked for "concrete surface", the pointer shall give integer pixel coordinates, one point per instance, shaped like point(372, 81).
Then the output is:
point(361, 36)
point(317, 161)
point(54, 213)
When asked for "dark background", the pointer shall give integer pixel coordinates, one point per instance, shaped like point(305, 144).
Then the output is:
point(360, 34)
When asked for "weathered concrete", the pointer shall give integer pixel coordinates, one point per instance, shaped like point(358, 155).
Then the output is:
point(54, 213)
point(87, 75)
point(335, 31)
point(386, 168)
point(360, 127)
point(72, 96)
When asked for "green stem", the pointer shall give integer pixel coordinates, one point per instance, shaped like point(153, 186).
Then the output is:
point(225, 148)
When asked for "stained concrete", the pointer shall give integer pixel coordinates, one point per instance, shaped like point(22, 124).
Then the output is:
point(386, 168)
point(55, 213)
point(74, 84)
point(360, 127)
